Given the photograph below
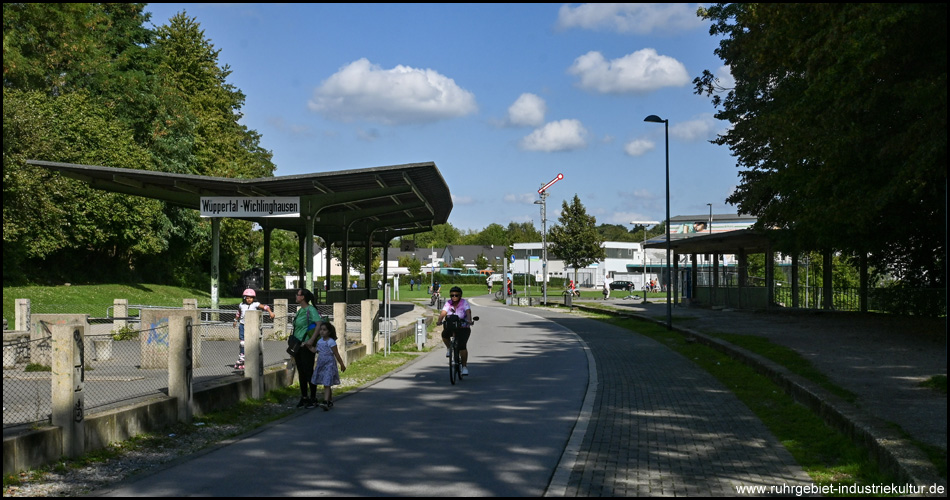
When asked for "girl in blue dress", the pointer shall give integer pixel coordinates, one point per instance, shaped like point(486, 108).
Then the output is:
point(328, 355)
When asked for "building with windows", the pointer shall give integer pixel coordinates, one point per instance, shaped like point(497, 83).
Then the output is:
point(629, 261)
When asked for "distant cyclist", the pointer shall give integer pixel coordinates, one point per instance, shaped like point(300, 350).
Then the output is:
point(460, 307)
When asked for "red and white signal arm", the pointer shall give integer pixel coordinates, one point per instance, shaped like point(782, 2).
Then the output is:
point(544, 187)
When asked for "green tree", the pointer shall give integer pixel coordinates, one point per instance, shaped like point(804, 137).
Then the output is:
point(493, 234)
point(224, 147)
point(357, 258)
point(414, 267)
point(58, 48)
point(100, 88)
point(481, 262)
point(575, 240)
point(838, 124)
point(523, 232)
point(55, 228)
point(615, 232)
point(441, 236)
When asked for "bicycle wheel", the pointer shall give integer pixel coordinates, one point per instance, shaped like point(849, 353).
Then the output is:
point(452, 366)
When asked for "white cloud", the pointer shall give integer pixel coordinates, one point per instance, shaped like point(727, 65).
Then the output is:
point(726, 80)
point(638, 147)
point(562, 135)
point(364, 91)
point(521, 198)
point(367, 135)
point(462, 200)
point(636, 18)
point(528, 110)
point(701, 128)
point(639, 72)
point(289, 128)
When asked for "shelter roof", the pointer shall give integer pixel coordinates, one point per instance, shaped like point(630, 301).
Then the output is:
point(383, 201)
point(730, 242)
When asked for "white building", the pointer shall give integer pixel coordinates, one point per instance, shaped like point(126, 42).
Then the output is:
point(625, 261)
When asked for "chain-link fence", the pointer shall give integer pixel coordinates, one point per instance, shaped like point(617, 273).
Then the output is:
point(112, 368)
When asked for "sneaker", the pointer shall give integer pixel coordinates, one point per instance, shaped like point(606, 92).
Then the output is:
point(310, 404)
point(448, 353)
point(464, 370)
point(303, 402)
point(325, 406)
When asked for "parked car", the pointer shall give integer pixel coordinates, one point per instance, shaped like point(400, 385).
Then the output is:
point(622, 285)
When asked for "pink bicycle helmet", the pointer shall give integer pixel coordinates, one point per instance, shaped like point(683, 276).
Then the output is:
point(250, 293)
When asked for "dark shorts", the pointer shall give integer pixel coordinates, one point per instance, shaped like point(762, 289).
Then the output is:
point(462, 335)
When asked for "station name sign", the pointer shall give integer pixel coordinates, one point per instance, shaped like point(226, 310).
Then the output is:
point(265, 206)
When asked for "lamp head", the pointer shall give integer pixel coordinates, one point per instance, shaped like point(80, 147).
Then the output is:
point(654, 119)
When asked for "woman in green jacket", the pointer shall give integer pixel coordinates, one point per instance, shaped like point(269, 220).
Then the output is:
point(305, 324)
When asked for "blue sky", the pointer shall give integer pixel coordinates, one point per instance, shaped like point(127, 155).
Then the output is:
point(502, 97)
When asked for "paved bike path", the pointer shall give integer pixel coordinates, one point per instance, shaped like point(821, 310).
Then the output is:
point(658, 425)
point(529, 421)
point(498, 432)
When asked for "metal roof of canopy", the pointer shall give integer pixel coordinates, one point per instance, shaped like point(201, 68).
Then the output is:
point(378, 202)
point(730, 242)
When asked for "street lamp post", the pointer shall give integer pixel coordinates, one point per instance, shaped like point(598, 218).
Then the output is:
point(645, 223)
point(669, 274)
point(709, 225)
point(544, 233)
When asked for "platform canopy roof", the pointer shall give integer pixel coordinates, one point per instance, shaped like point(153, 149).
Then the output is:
point(378, 203)
point(729, 242)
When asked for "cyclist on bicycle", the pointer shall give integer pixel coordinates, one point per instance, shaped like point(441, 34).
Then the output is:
point(437, 290)
point(460, 307)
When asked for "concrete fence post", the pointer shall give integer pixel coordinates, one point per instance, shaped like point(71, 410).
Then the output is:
point(68, 376)
point(180, 366)
point(41, 332)
point(339, 322)
point(192, 305)
point(120, 311)
point(154, 337)
point(21, 319)
point(369, 308)
point(254, 352)
point(280, 318)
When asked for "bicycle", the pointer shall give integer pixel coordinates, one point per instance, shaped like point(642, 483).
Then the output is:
point(452, 323)
point(631, 294)
point(500, 294)
point(436, 298)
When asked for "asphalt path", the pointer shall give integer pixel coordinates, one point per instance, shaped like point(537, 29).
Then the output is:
point(499, 432)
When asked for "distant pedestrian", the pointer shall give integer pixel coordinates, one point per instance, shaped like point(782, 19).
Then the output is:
point(328, 355)
point(488, 282)
point(412, 283)
point(607, 282)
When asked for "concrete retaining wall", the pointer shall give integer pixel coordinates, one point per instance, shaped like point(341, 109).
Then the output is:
point(42, 446)
point(37, 447)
